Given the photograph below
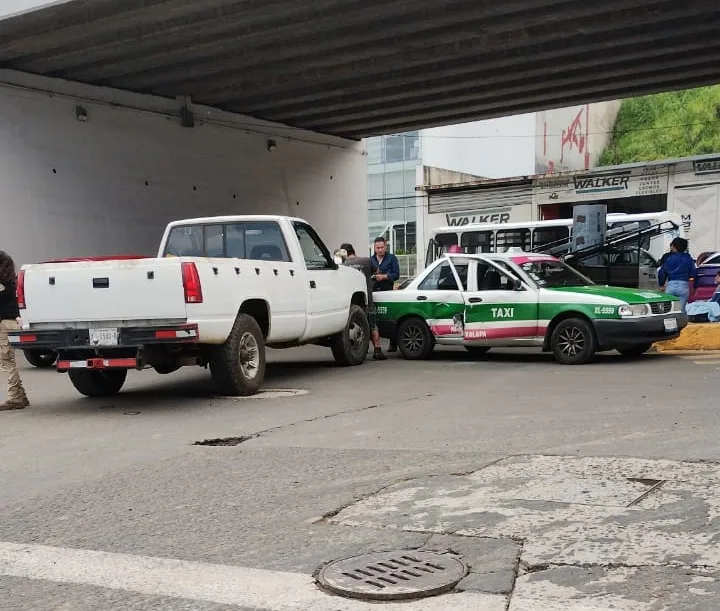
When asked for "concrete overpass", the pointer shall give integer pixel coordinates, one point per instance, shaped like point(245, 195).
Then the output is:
point(355, 68)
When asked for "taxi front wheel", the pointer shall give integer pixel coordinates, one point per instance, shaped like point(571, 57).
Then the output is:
point(573, 341)
point(414, 339)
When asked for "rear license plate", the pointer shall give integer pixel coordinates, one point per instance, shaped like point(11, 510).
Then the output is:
point(103, 337)
point(670, 324)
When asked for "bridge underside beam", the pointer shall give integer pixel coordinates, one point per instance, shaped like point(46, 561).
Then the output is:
point(355, 68)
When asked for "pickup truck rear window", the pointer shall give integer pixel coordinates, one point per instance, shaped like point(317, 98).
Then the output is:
point(257, 240)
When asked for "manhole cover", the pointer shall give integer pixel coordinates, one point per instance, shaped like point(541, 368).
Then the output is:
point(279, 393)
point(394, 575)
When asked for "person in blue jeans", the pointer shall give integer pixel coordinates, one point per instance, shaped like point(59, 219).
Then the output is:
point(677, 271)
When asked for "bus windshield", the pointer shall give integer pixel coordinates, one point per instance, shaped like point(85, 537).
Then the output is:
point(549, 273)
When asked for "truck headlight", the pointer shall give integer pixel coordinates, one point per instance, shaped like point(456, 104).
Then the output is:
point(641, 309)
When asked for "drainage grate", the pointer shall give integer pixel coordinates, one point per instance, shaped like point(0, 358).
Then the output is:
point(223, 441)
point(394, 575)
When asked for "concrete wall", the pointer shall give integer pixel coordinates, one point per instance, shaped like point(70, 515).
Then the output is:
point(496, 148)
point(109, 185)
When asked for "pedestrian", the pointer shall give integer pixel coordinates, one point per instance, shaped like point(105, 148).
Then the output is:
point(677, 271)
point(387, 273)
point(9, 318)
point(363, 264)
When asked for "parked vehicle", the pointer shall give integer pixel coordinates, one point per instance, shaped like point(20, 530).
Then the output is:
point(220, 290)
point(523, 299)
point(707, 270)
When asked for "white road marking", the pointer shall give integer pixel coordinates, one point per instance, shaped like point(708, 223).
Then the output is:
point(218, 583)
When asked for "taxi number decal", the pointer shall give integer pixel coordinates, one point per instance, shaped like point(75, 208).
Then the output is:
point(381, 309)
point(604, 310)
point(503, 312)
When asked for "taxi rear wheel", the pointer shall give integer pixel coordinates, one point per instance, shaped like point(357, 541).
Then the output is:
point(573, 341)
point(414, 339)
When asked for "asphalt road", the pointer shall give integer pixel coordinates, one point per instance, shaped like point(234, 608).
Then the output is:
point(94, 494)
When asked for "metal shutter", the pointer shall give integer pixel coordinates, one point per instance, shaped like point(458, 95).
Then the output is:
point(469, 200)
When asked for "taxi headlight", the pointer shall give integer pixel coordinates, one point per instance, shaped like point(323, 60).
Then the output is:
point(676, 306)
point(641, 309)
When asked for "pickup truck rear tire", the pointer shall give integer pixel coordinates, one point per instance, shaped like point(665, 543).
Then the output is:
point(42, 359)
point(93, 383)
point(350, 347)
point(238, 366)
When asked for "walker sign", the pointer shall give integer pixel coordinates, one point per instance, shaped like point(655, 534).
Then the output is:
point(703, 167)
point(600, 185)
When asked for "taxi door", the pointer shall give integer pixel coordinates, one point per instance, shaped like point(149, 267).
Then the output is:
point(439, 299)
point(499, 308)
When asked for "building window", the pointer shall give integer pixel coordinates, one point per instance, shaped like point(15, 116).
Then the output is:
point(402, 147)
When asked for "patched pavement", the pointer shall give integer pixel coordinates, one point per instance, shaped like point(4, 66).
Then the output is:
point(585, 533)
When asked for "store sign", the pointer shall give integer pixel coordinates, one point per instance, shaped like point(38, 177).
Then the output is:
point(706, 166)
point(494, 215)
point(597, 186)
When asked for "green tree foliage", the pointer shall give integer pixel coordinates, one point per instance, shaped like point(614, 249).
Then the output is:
point(666, 125)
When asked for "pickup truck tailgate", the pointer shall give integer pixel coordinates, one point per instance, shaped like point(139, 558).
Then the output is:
point(112, 290)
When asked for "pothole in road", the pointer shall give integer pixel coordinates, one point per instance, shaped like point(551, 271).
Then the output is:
point(276, 393)
point(393, 575)
point(224, 441)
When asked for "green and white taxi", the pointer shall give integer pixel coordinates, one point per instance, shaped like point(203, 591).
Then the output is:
point(523, 299)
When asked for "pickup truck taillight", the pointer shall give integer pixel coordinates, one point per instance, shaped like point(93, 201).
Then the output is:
point(20, 292)
point(191, 283)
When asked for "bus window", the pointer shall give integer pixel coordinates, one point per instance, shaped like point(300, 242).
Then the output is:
point(474, 242)
point(545, 236)
point(512, 238)
point(445, 240)
point(641, 225)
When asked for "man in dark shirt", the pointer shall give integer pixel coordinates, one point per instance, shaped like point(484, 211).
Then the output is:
point(365, 266)
point(387, 272)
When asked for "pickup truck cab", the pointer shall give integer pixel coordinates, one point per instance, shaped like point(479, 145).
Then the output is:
point(523, 300)
point(220, 290)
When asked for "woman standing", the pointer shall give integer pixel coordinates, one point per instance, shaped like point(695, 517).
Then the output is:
point(9, 315)
point(677, 270)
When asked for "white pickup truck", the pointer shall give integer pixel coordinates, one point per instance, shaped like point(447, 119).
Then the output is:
point(220, 290)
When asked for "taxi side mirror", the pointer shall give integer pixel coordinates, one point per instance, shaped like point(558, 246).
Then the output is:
point(518, 285)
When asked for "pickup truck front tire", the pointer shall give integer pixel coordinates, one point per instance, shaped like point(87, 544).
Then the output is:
point(238, 366)
point(94, 383)
point(350, 347)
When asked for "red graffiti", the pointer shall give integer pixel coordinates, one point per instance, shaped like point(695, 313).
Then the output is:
point(573, 135)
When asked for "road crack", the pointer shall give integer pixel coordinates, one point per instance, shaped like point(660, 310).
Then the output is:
point(354, 410)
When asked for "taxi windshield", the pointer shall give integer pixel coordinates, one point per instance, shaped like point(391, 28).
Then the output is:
point(549, 273)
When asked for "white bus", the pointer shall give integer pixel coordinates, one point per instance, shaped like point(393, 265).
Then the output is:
point(534, 235)
point(539, 235)
point(399, 235)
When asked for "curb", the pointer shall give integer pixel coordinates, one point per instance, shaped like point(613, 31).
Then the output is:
point(696, 337)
